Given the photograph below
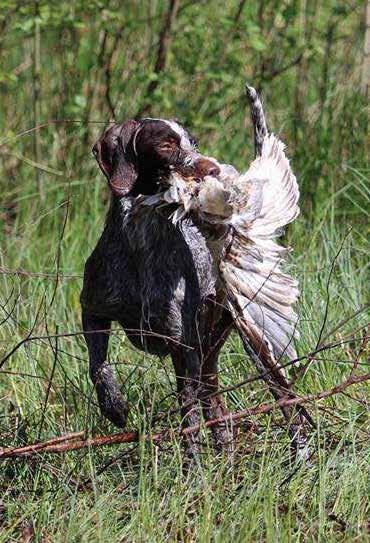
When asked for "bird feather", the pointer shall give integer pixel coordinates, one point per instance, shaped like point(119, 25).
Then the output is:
point(255, 206)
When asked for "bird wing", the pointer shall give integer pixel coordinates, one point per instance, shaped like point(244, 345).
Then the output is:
point(255, 207)
point(260, 295)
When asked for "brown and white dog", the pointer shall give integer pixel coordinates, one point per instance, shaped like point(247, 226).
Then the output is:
point(157, 279)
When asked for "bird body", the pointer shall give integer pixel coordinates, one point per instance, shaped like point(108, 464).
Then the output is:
point(252, 209)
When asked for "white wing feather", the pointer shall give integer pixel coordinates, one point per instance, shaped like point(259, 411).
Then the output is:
point(259, 292)
point(255, 206)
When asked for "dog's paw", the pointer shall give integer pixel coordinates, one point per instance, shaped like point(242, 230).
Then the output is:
point(114, 408)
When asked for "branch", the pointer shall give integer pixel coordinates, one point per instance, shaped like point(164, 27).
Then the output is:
point(239, 11)
point(76, 441)
point(279, 70)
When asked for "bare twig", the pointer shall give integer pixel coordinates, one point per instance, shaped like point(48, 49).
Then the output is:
point(343, 322)
point(26, 273)
point(131, 331)
point(328, 289)
point(72, 442)
point(49, 122)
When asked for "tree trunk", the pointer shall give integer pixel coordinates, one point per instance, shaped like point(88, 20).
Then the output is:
point(162, 53)
point(36, 99)
point(365, 82)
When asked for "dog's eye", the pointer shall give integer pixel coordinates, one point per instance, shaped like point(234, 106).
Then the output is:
point(166, 145)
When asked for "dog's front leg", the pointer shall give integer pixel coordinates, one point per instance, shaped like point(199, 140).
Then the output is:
point(111, 402)
point(212, 402)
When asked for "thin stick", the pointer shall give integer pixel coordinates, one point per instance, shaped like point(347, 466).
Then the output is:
point(72, 442)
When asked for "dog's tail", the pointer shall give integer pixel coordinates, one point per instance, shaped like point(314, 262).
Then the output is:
point(258, 119)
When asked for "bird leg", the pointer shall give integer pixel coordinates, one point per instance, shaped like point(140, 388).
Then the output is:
point(297, 417)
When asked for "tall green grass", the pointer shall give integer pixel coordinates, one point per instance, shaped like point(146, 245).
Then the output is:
point(306, 57)
point(143, 496)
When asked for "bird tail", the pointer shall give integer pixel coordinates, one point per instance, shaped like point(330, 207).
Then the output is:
point(258, 119)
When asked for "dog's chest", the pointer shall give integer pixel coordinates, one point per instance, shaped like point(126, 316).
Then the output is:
point(170, 259)
point(146, 272)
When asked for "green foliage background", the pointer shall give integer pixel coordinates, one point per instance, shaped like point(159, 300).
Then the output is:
point(69, 67)
point(97, 61)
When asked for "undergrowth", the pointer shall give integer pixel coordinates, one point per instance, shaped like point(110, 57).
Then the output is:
point(138, 492)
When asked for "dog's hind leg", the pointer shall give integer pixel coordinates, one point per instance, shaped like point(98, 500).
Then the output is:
point(187, 368)
point(213, 405)
point(111, 402)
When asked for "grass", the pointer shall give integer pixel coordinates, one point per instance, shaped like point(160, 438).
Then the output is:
point(307, 63)
point(143, 496)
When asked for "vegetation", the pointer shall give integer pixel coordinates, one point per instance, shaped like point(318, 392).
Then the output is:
point(65, 70)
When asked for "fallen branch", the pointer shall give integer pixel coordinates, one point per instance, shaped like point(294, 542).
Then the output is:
point(78, 440)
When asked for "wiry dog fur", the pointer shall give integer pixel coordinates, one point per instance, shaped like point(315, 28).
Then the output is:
point(156, 279)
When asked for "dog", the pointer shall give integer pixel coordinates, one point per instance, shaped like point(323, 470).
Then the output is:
point(158, 280)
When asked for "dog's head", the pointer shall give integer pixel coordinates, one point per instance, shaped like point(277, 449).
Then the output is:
point(138, 156)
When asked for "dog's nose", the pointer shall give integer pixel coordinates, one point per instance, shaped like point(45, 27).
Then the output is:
point(205, 167)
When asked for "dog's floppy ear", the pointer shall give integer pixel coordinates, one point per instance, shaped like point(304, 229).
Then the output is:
point(115, 156)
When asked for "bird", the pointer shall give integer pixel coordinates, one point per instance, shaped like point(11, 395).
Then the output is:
point(247, 213)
